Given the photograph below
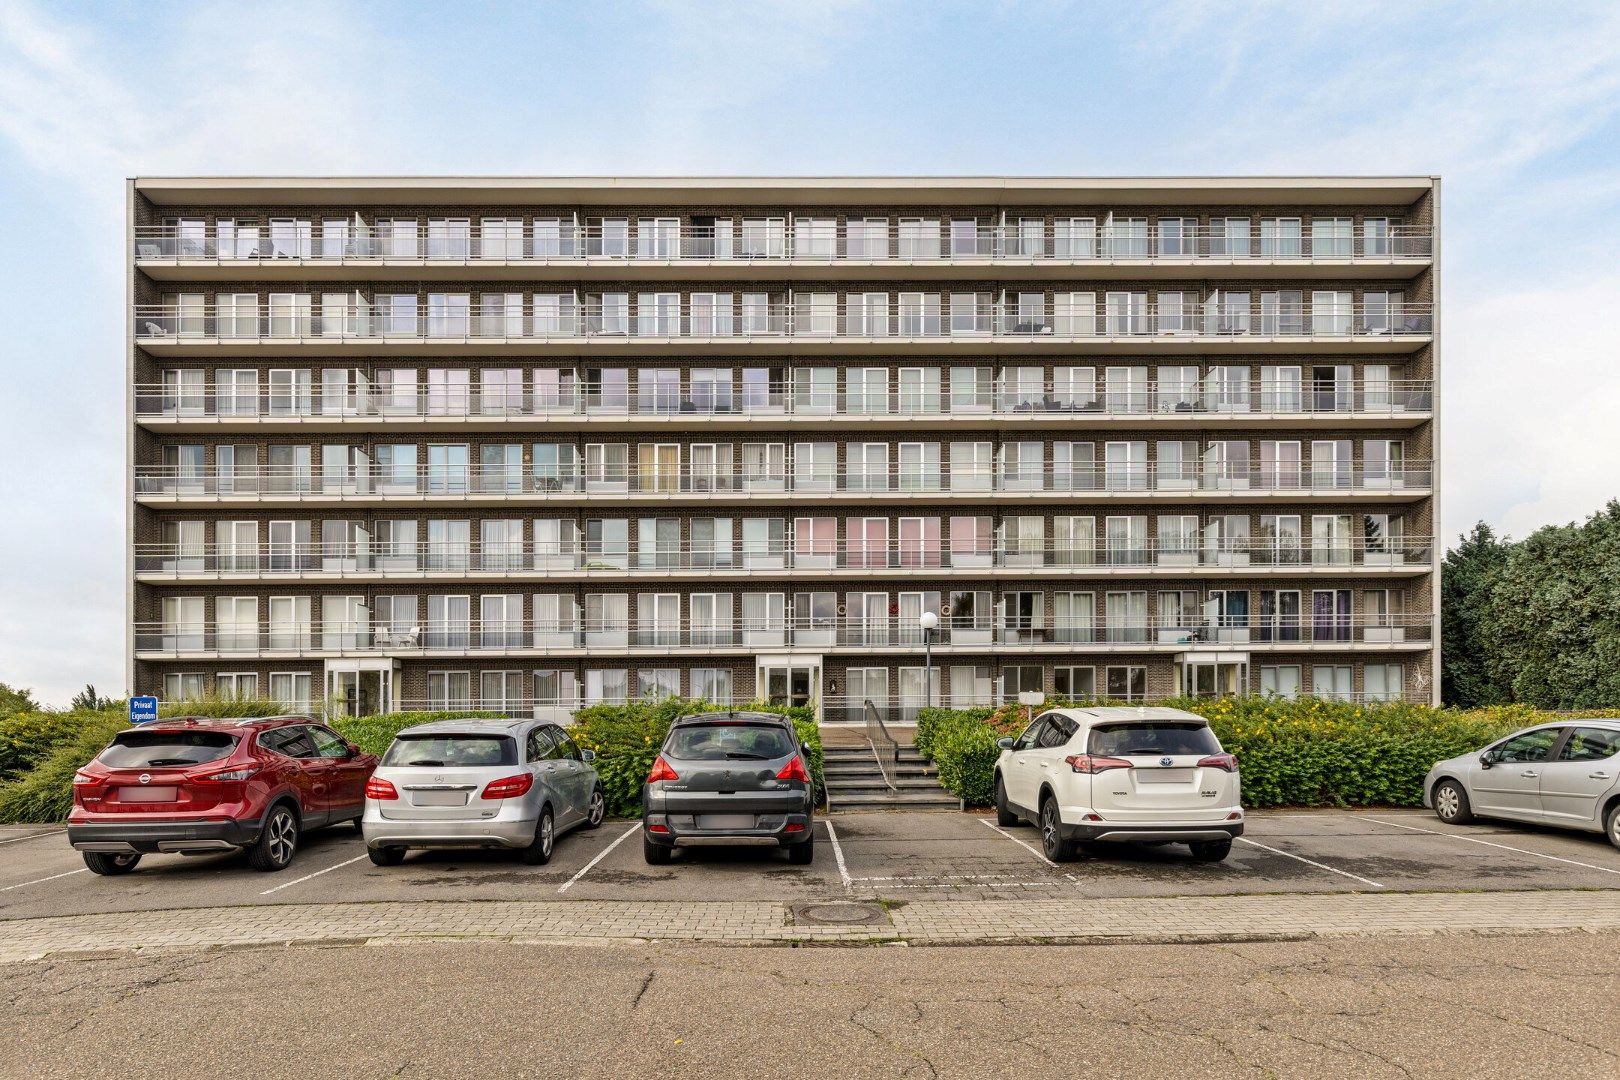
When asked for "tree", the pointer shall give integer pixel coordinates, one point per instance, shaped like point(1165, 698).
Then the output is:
point(16, 701)
point(89, 700)
point(1468, 676)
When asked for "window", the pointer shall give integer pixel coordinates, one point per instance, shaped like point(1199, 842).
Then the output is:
point(1330, 615)
point(607, 685)
point(182, 686)
point(291, 690)
point(236, 684)
point(656, 684)
point(556, 689)
point(1387, 682)
point(1589, 744)
point(1279, 615)
point(711, 684)
point(1331, 682)
point(1127, 617)
point(1332, 237)
point(449, 690)
point(1126, 683)
point(1021, 679)
point(1283, 680)
point(1531, 746)
point(1075, 683)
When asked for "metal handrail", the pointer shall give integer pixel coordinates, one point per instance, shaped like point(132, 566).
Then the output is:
point(668, 480)
point(1299, 553)
point(877, 735)
point(454, 317)
point(774, 239)
point(1213, 396)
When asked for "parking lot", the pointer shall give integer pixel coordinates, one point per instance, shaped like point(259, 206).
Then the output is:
point(898, 856)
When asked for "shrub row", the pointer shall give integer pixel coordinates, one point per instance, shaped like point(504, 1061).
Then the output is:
point(39, 752)
point(1302, 752)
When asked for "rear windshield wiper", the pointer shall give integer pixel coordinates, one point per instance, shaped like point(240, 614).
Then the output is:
point(746, 757)
point(427, 761)
point(169, 761)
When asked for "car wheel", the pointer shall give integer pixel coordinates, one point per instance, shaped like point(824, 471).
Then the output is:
point(276, 844)
point(538, 853)
point(386, 856)
point(1612, 827)
point(109, 863)
point(1004, 815)
point(1451, 803)
point(598, 808)
point(1210, 850)
point(1057, 849)
point(803, 853)
point(655, 854)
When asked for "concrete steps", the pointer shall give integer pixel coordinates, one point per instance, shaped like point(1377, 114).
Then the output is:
point(855, 781)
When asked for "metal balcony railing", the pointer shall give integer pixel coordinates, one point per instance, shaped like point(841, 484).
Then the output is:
point(455, 318)
point(455, 241)
point(465, 481)
point(925, 553)
point(885, 631)
point(1209, 398)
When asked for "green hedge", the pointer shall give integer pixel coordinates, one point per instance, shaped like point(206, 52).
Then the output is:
point(39, 752)
point(1301, 752)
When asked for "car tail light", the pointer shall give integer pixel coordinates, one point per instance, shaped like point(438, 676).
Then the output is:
point(1223, 762)
point(794, 770)
point(508, 787)
point(84, 779)
point(225, 776)
point(1090, 765)
point(661, 771)
point(654, 827)
point(794, 826)
point(381, 790)
point(1236, 815)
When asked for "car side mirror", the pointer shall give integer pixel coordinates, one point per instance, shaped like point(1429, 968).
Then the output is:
point(354, 751)
point(804, 748)
point(587, 755)
point(1005, 744)
point(1487, 759)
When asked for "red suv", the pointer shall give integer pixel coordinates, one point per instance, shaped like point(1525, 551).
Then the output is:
point(201, 786)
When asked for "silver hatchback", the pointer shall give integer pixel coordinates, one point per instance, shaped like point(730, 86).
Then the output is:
point(513, 784)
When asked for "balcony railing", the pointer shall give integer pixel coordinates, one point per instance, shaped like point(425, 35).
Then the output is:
point(882, 632)
point(460, 320)
point(923, 553)
point(460, 481)
point(1352, 398)
point(778, 241)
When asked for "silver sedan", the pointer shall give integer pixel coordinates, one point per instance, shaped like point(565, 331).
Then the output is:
point(1565, 774)
point(514, 784)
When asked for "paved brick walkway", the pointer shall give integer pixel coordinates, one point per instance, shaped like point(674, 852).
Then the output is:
point(758, 923)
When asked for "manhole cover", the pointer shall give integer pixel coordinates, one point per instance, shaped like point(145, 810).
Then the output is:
point(839, 914)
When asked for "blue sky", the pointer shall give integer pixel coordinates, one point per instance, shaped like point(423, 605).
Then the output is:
point(1516, 106)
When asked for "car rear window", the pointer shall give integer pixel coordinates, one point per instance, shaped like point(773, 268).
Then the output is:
point(155, 749)
point(1139, 740)
point(729, 742)
point(446, 751)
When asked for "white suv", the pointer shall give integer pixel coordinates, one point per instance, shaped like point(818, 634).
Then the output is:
point(1145, 775)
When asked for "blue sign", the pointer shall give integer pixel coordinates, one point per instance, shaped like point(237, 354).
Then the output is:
point(142, 709)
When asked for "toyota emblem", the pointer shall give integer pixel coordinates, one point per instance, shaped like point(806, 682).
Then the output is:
point(1166, 762)
point(145, 778)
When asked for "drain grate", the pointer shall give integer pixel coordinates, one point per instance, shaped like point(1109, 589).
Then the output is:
point(839, 915)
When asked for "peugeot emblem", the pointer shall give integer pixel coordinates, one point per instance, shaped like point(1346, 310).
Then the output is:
point(145, 778)
point(1166, 761)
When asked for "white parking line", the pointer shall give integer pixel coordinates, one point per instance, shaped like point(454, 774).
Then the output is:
point(604, 854)
point(34, 836)
point(838, 856)
point(316, 874)
point(1490, 843)
point(993, 827)
point(1309, 862)
point(53, 877)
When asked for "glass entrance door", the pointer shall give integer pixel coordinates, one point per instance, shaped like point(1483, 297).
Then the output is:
point(358, 693)
point(1214, 678)
point(792, 684)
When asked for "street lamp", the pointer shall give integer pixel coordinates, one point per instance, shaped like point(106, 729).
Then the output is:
point(928, 620)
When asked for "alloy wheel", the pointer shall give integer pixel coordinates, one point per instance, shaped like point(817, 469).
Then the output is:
point(283, 836)
point(1049, 828)
point(546, 834)
point(598, 808)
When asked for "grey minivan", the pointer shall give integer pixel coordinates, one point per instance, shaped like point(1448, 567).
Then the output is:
point(730, 778)
point(514, 784)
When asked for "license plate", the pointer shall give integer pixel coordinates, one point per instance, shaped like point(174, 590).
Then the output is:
point(725, 821)
point(439, 798)
point(1163, 776)
point(146, 794)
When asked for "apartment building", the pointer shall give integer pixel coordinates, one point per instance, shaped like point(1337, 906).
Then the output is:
point(524, 443)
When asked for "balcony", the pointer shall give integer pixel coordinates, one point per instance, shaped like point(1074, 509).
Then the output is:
point(292, 327)
point(1354, 404)
point(877, 633)
point(670, 483)
point(847, 558)
point(791, 250)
